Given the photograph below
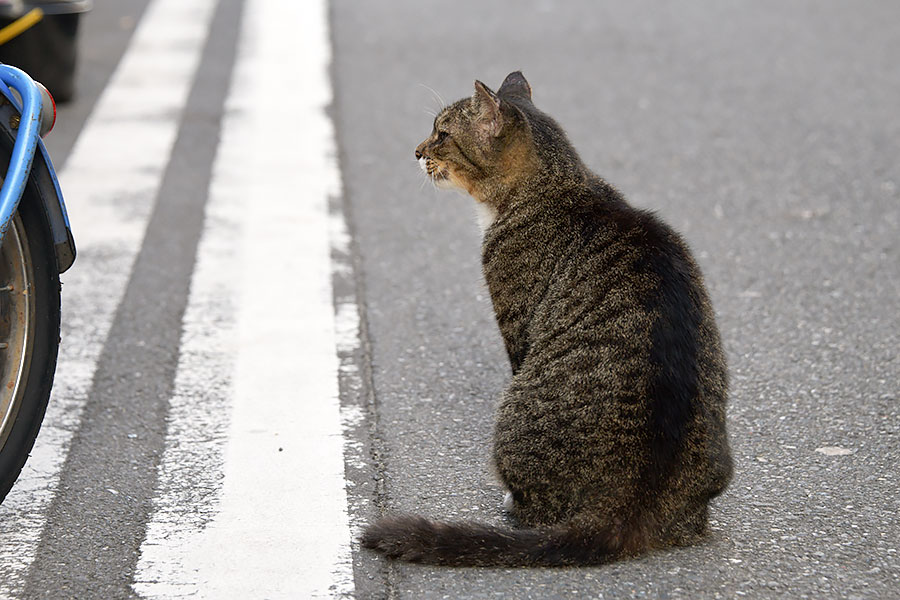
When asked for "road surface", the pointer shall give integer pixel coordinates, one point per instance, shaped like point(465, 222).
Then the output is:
point(274, 332)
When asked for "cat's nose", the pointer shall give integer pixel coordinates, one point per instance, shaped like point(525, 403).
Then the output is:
point(418, 154)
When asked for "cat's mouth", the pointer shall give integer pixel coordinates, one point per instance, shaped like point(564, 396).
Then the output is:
point(437, 173)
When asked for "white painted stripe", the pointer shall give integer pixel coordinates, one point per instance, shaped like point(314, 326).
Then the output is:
point(272, 519)
point(110, 182)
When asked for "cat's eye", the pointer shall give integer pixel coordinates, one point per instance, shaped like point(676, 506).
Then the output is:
point(442, 135)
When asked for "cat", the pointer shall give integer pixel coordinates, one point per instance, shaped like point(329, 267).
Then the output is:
point(610, 437)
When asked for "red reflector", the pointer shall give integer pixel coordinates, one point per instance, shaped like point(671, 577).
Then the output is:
point(48, 110)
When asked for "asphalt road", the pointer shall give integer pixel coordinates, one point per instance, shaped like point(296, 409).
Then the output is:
point(766, 132)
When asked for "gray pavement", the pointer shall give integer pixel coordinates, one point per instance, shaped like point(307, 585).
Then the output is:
point(103, 35)
point(768, 133)
point(144, 339)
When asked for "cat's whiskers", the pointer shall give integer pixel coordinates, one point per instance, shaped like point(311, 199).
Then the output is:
point(436, 96)
point(424, 181)
point(427, 176)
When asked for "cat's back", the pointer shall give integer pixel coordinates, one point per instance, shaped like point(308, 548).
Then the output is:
point(588, 275)
point(588, 244)
point(638, 279)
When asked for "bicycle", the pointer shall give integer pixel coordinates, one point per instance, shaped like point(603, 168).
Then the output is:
point(36, 245)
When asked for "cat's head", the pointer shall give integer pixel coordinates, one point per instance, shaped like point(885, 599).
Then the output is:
point(481, 141)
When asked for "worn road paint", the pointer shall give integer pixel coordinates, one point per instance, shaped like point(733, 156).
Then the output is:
point(255, 428)
point(110, 182)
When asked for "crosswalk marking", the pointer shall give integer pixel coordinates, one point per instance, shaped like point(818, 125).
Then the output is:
point(252, 498)
point(110, 182)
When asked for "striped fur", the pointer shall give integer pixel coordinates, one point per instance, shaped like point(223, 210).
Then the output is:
point(611, 434)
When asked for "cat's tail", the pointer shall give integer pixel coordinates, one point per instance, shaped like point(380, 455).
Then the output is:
point(578, 542)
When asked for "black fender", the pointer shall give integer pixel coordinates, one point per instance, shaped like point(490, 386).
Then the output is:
point(42, 186)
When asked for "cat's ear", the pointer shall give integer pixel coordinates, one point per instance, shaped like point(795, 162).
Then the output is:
point(515, 84)
point(488, 105)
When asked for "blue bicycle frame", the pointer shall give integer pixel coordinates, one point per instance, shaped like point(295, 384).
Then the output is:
point(30, 162)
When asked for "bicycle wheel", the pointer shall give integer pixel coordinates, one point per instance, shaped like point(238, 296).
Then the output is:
point(29, 335)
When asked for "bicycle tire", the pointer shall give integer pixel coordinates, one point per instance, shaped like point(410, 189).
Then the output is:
point(21, 420)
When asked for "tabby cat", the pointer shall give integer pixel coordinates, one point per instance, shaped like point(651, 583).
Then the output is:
point(611, 435)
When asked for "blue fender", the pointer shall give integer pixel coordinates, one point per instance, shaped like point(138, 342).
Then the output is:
point(42, 185)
